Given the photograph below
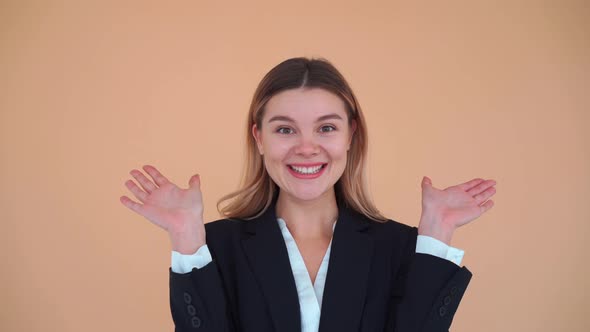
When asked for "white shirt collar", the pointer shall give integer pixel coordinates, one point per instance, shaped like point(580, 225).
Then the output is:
point(310, 296)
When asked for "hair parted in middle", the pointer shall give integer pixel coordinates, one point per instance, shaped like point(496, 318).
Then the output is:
point(257, 188)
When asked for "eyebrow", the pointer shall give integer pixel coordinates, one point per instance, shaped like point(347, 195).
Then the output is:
point(321, 118)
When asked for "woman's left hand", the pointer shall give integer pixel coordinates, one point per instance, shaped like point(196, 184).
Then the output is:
point(443, 211)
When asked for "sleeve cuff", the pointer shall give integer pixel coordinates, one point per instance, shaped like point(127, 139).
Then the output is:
point(429, 245)
point(186, 263)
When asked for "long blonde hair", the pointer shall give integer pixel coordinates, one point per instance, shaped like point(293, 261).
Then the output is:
point(257, 189)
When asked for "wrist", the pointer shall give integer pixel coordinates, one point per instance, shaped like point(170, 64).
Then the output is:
point(436, 229)
point(187, 242)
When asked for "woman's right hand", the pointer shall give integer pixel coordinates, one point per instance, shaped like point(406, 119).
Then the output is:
point(176, 210)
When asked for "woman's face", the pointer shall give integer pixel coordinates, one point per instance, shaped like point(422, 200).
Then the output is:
point(304, 139)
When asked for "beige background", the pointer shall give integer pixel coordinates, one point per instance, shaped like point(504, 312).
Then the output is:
point(453, 90)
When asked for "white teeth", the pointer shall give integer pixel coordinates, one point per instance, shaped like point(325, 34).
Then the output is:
point(306, 170)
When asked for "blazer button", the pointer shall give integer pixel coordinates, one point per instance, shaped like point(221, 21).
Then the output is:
point(447, 300)
point(191, 310)
point(442, 311)
point(196, 322)
point(187, 298)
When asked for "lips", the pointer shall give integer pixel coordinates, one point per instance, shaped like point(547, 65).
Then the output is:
point(307, 164)
point(307, 171)
point(307, 168)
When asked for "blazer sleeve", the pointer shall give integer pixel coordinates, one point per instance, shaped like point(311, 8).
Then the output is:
point(198, 301)
point(427, 290)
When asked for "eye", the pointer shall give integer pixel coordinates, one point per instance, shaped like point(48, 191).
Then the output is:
point(327, 128)
point(284, 130)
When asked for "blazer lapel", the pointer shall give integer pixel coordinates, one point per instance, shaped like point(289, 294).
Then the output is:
point(269, 260)
point(347, 276)
point(346, 279)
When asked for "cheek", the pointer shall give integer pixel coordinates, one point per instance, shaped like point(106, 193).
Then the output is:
point(336, 149)
point(277, 150)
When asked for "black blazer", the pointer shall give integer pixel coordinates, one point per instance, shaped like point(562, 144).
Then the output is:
point(375, 280)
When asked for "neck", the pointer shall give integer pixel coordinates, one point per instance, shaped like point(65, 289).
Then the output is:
point(308, 219)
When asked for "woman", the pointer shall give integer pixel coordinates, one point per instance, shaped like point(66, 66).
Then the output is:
point(302, 247)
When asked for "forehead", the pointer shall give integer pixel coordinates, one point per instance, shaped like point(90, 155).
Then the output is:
point(304, 104)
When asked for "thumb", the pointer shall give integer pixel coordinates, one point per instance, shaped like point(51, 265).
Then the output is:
point(195, 181)
point(426, 182)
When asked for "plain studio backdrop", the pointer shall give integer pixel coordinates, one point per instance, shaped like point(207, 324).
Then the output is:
point(451, 89)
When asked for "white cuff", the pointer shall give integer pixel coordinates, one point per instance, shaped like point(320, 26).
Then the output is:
point(186, 263)
point(429, 245)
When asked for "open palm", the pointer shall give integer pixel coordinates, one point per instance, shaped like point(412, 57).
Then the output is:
point(457, 205)
point(164, 203)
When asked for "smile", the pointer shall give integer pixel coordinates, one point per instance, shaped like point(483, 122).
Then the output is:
point(307, 172)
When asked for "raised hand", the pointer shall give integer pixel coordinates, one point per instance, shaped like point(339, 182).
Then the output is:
point(176, 210)
point(445, 210)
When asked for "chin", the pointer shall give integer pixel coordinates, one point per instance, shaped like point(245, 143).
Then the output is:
point(310, 194)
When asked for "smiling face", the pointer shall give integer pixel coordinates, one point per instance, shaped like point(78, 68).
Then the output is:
point(304, 138)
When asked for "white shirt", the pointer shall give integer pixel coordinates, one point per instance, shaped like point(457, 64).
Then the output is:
point(310, 295)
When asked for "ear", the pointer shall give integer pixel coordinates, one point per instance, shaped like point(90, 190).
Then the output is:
point(352, 131)
point(258, 138)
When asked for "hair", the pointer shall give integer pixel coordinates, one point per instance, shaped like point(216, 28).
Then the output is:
point(257, 188)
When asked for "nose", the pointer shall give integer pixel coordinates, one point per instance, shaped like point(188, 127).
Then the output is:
point(307, 147)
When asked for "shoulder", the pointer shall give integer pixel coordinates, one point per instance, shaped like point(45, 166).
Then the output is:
point(390, 227)
point(392, 232)
point(224, 227)
point(223, 237)
point(393, 240)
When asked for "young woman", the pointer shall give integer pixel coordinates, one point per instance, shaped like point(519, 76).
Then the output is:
point(302, 247)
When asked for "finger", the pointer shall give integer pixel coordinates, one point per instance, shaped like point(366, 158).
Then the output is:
point(481, 187)
point(140, 194)
point(131, 204)
point(470, 184)
point(426, 182)
point(486, 206)
point(146, 183)
point(156, 175)
point(195, 181)
point(482, 197)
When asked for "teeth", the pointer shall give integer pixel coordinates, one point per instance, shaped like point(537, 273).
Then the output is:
point(306, 170)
